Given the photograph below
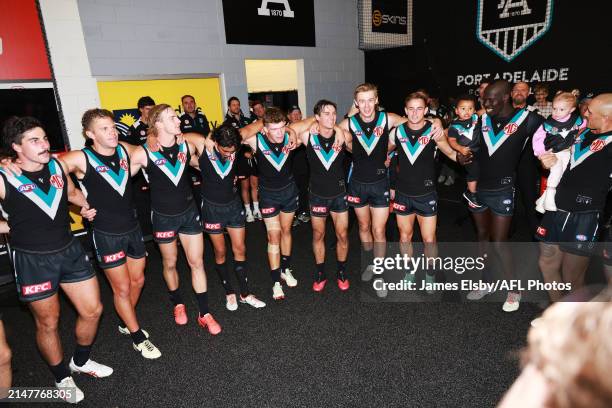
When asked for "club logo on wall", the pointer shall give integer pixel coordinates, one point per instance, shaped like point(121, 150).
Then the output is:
point(509, 27)
point(264, 10)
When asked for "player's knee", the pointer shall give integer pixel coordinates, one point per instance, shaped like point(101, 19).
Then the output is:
point(429, 239)
point(365, 226)
point(47, 323)
point(483, 234)
point(169, 263)
point(138, 281)
point(196, 263)
point(379, 234)
point(5, 355)
point(342, 237)
point(317, 235)
point(122, 290)
point(405, 236)
point(239, 249)
point(92, 312)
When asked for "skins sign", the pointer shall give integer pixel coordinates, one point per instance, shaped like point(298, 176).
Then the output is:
point(509, 27)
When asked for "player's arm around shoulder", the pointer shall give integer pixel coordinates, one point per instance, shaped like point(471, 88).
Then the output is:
point(74, 162)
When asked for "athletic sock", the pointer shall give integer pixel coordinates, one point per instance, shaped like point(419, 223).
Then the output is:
point(240, 268)
point(320, 274)
point(138, 336)
point(175, 297)
point(341, 265)
point(247, 208)
point(368, 256)
point(224, 277)
point(202, 302)
point(60, 371)
point(285, 262)
point(276, 275)
point(255, 205)
point(81, 354)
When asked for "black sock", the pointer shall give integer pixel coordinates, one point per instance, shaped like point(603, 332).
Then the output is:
point(320, 275)
point(224, 277)
point(368, 257)
point(60, 371)
point(240, 268)
point(285, 262)
point(81, 354)
point(341, 265)
point(175, 297)
point(202, 302)
point(276, 275)
point(138, 336)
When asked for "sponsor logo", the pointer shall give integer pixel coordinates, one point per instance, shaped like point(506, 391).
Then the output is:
point(432, 202)
point(597, 145)
point(164, 234)
point(485, 128)
point(286, 12)
point(266, 152)
point(353, 199)
point(378, 19)
point(541, 231)
point(57, 181)
point(102, 169)
point(399, 207)
point(186, 121)
point(182, 157)
point(510, 128)
point(37, 288)
point(25, 188)
point(113, 257)
point(160, 162)
point(509, 27)
point(211, 226)
point(123, 164)
point(319, 209)
point(580, 199)
point(142, 133)
point(269, 210)
point(507, 201)
point(378, 131)
point(581, 237)
point(423, 140)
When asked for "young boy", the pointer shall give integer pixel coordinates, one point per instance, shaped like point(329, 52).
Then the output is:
point(558, 134)
point(464, 137)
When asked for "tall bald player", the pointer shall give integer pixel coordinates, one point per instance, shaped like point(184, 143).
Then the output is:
point(568, 234)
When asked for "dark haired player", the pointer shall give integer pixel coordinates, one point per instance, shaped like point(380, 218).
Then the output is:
point(45, 254)
point(222, 209)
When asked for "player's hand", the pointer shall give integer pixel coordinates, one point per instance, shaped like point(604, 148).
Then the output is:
point(464, 159)
point(465, 151)
point(340, 138)
point(314, 129)
point(548, 159)
point(392, 194)
point(388, 161)
point(153, 143)
point(292, 139)
point(11, 166)
point(209, 144)
point(437, 132)
point(88, 213)
point(354, 110)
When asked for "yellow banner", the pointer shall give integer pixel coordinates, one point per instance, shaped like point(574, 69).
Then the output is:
point(124, 95)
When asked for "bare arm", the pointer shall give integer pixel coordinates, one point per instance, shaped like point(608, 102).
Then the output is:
point(395, 120)
point(251, 130)
point(138, 159)
point(74, 161)
point(445, 148)
point(4, 227)
point(197, 141)
point(303, 125)
point(76, 196)
point(194, 162)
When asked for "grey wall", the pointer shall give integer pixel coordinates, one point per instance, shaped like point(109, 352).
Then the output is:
point(160, 37)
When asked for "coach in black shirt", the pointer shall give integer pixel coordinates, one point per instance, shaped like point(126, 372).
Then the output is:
point(192, 120)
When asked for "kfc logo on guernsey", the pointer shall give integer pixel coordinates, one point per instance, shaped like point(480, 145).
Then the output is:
point(210, 226)
point(29, 290)
point(353, 199)
point(399, 207)
point(541, 231)
point(267, 210)
point(319, 210)
point(114, 257)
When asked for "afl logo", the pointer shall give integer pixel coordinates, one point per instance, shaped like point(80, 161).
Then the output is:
point(378, 131)
point(102, 169)
point(57, 181)
point(376, 18)
point(358, 133)
point(424, 140)
point(266, 152)
point(182, 157)
point(123, 164)
point(160, 162)
point(597, 145)
point(485, 129)
point(26, 188)
point(510, 128)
